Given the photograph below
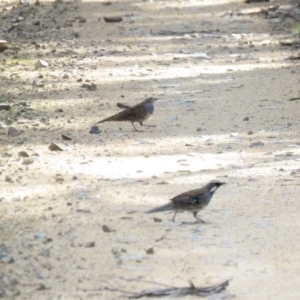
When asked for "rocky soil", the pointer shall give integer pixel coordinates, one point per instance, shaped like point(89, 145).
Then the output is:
point(72, 204)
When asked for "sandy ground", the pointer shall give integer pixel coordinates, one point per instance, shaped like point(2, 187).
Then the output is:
point(222, 86)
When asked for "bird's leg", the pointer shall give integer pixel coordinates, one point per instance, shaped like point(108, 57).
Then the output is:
point(195, 216)
point(134, 127)
point(174, 216)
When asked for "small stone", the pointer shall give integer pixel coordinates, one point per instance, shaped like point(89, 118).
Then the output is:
point(90, 245)
point(40, 235)
point(55, 147)
point(199, 129)
point(23, 154)
point(246, 119)
point(8, 179)
point(5, 106)
point(3, 43)
point(37, 23)
point(250, 132)
point(12, 132)
point(27, 162)
point(92, 87)
point(107, 229)
point(38, 83)
point(66, 138)
point(112, 19)
point(83, 208)
point(59, 110)
point(41, 287)
point(2, 293)
point(89, 87)
point(157, 220)
point(256, 144)
point(23, 2)
point(94, 130)
point(59, 178)
point(150, 250)
point(163, 182)
point(41, 64)
point(234, 134)
point(6, 258)
point(81, 20)
point(236, 86)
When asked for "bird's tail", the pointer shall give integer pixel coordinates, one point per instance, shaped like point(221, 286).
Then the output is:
point(102, 121)
point(112, 118)
point(166, 207)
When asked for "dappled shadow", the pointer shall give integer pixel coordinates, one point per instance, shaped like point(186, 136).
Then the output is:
point(223, 85)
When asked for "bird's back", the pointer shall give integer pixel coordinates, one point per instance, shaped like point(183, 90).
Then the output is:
point(195, 198)
point(137, 113)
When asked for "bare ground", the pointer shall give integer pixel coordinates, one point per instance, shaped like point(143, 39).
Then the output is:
point(224, 82)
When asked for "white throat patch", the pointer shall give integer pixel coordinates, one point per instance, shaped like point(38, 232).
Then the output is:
point(213, 189)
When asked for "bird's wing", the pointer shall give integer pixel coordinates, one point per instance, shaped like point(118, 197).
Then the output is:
point(132, 113)
point(121, 116)
point(123, 105)
point(191, 197)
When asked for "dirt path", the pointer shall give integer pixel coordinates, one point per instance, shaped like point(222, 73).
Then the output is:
point(223, 81)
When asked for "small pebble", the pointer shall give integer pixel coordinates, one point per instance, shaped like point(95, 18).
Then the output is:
point(157, 220)
point(95, 130)
point(107, 229)
point(150, 250)
point(12, 132)
point(256, 144)
point(65, 137)
point(6, 258)
point(40, 235)
point(90, 245)
point(55, 147)
point(41, 64)
point(23, 154)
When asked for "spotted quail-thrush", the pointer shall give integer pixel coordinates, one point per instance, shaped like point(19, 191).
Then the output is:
point(138, 113)
point(194, 200)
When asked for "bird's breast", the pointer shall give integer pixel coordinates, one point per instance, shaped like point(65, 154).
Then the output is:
point(149, 108)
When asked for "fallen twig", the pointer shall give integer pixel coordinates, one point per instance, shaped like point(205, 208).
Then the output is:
point(175, 291)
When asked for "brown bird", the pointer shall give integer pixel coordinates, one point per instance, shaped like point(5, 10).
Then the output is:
point(138, 113)
point(194, 200)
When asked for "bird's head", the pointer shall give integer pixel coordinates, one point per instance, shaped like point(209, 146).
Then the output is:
point(213, 185)
point(150, 100)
